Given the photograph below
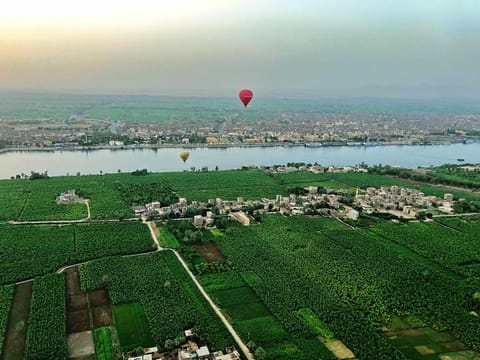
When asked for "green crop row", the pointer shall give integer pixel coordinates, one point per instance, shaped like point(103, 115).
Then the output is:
point(450, 247)
point(28, 251)
point(46, 333)
point(169, 298)
point(6, 296)
point(350, 281)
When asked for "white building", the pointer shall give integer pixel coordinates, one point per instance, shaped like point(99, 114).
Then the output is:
point(198, 220)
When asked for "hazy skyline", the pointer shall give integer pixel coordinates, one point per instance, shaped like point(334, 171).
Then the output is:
point(214, 47)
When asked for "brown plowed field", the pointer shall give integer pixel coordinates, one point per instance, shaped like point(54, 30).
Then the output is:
point(209, 252)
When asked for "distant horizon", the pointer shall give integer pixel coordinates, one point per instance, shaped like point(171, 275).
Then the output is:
point(415, 93)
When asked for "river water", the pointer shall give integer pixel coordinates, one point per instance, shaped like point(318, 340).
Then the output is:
point(167, 159)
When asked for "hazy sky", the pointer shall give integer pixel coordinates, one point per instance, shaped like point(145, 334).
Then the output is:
point(215, 47)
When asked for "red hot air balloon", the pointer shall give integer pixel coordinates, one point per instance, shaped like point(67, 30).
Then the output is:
point(245, 96)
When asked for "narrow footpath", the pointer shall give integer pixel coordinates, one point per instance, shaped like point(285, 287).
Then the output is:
point(215, 308)
point(56, 222)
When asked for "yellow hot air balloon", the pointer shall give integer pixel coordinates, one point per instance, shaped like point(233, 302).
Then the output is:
point(184, 155)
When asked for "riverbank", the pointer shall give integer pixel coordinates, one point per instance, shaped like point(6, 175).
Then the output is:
point(224, 146)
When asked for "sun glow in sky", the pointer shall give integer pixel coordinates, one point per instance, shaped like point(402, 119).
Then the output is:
point(98, 8)
point(213, 46)
point(107, 13)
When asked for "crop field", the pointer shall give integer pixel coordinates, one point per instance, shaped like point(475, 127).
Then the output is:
point(13, 194)
point(362, 180)
point(353, 180)
point(167, 240)
point(105, 346)
point(304, 179)
point(291, 285)
point(6, 296)
point(254, 321)
point(112, 239)
point(46, 333)
point(41, 205)
point(111, 196)
point(458, 176)
point(349, 281)
point(314, 323)
point(339, 180)
point(28, 251)
point(15, 335)
point(131, 325)
point(454, 249)
point(159, 283)
point(227, 185)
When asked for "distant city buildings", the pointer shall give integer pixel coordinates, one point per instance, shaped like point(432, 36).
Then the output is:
point(305, 128)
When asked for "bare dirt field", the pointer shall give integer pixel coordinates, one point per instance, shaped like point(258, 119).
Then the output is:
point(102, 316)
point(76, 302)
point(14, 343)
point(209, 252)
point(80, 344)
point(98, 297)
point(77, 305)
point(78, 321)
point(339, 349)
point(72, 281)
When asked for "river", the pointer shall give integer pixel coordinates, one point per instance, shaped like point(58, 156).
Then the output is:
point(167, 159)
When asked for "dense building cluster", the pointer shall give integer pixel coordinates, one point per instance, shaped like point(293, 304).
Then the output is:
point(309, 129)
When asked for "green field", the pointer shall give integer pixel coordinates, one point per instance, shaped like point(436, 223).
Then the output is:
point(314, 323)
point(46, 332)
point(254, 321)
point(455, 247)
point(169, 298)
point(28, 250)
point(112, 196)
point(167, 240)
point(282, 283)
point(418, 341)
point(6, 296)
point(131, 325)
point(347, 280)
point(227, 185)
point(13, 195)
point(216, 232)
point(103, 343)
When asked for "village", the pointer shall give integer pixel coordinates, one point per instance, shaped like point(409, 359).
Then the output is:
point(398, 201)
point(188, 351)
